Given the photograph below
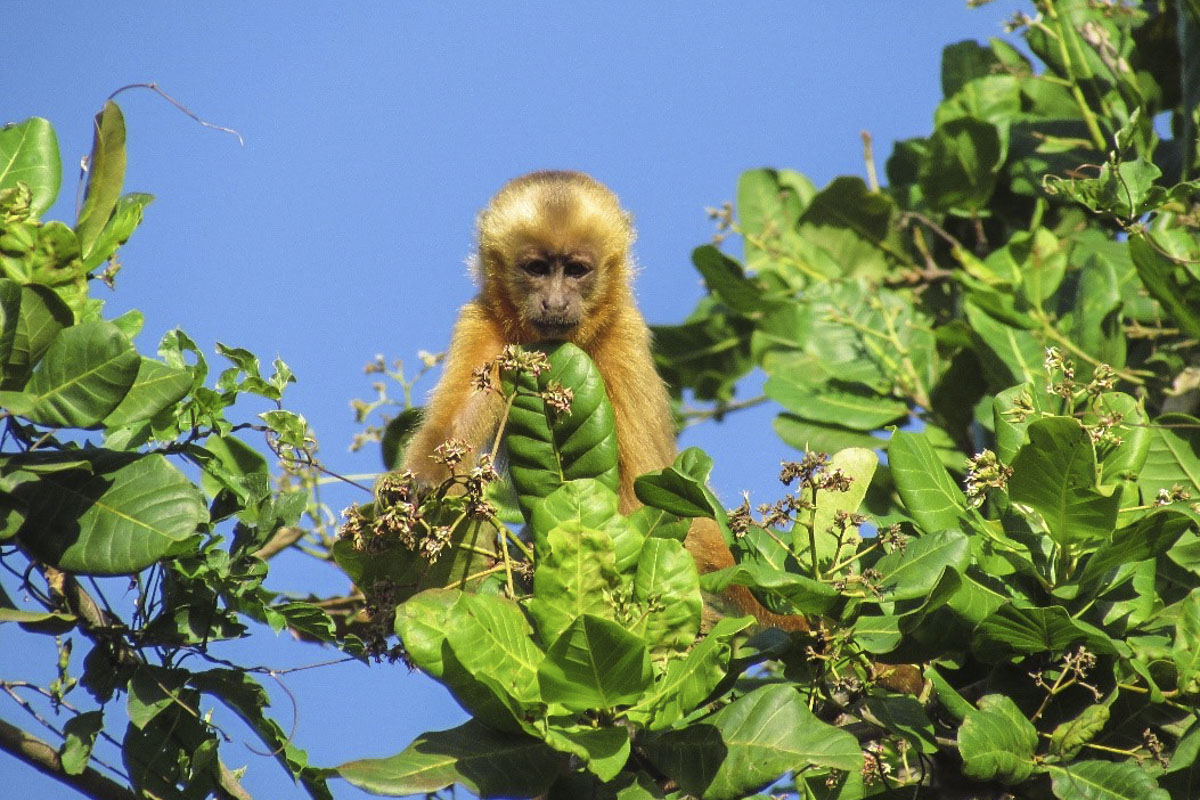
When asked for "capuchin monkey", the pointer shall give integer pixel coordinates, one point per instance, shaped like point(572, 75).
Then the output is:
point(554, 265)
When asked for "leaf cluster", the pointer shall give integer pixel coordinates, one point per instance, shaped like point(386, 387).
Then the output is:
point(114, 463)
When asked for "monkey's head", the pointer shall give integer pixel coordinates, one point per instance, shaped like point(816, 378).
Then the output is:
point(553, 254)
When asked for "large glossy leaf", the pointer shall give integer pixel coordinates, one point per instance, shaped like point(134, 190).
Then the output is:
point(849, 223)
point(106, 173)
point(1173, 457)
point(914, 571)
point(1149, 537)
point(486, 762)
point(480, 647)
point(546, 448)
point(576, 574)
point(587, 503)
point(1055, 475)
point(858, 464)
point(726, 280)
point(930, 495)
point(1012, 630)
point(603, 751)
point(768, 206)
point(690, 680)
point(997, 742)
point(29, 153)
point(155, 388)
point(125, 516)
point(750, 743)
point(668, 586)
point(595, 664)
point(1008, 353)
point(857, 409)
point(1104, 780)
point(86, 372)
point(960, 168)
point(682, 488)
point(42, 315)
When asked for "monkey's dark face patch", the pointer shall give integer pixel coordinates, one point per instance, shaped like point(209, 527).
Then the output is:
point(554, 288)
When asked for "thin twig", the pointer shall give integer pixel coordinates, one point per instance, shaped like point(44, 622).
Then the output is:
point(154, 87)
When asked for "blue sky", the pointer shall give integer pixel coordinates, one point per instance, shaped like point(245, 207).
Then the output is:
point(373, 134)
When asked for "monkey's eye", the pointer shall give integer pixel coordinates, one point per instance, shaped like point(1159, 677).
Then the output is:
point(576, 269)
point(537, 267)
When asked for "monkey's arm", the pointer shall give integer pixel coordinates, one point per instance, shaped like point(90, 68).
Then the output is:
point(455, 410)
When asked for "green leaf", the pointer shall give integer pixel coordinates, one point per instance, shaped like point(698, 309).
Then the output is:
point(486, 762)
point(768, 206)
point(1186, 650)
point(29, 154)
point(850, 223)
point(124, 517)
point(1055, 475)
point(857, 463)
point(152, 690)
point(587, 503)
point(1104, 780)
point(930, 495)
point(854, 408)
point(1008, 354)
point(804, 594)
point(125, 218)
point(156, 387)
point(10, 313)
point(603, 751)
point(106, 173)
point(1012, 411)
point(42, 315)
point(726, 280)
point(689, 681)
point(246, 697)
point(680, 489)
point(997, 742)
point(1176, 288)
point(750, 743)
point(1173, 457)
point(904, 715)
point(963, 62)
point(1069, 738)
point(544, 448)
point(595, 665)
point(668, 586)
point(491, 637)
point(914, 572)
point(80, 731)
point(1149, 537)
point(1013, 630)
point(960, 167)
point(576, 574)
point(812, 438)
point(86, 372)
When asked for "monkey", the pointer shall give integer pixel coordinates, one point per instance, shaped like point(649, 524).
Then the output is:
point(554, 263)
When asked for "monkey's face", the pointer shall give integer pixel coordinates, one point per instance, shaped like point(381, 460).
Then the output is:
point(553, 289)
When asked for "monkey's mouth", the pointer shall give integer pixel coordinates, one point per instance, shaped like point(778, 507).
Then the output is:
point(554, 326)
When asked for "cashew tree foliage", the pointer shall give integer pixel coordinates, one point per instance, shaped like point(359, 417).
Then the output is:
point(988, 364)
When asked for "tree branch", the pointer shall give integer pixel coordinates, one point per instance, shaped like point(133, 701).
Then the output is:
point(44, 758)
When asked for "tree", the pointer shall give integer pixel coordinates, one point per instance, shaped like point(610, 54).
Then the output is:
point(1014, 320)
